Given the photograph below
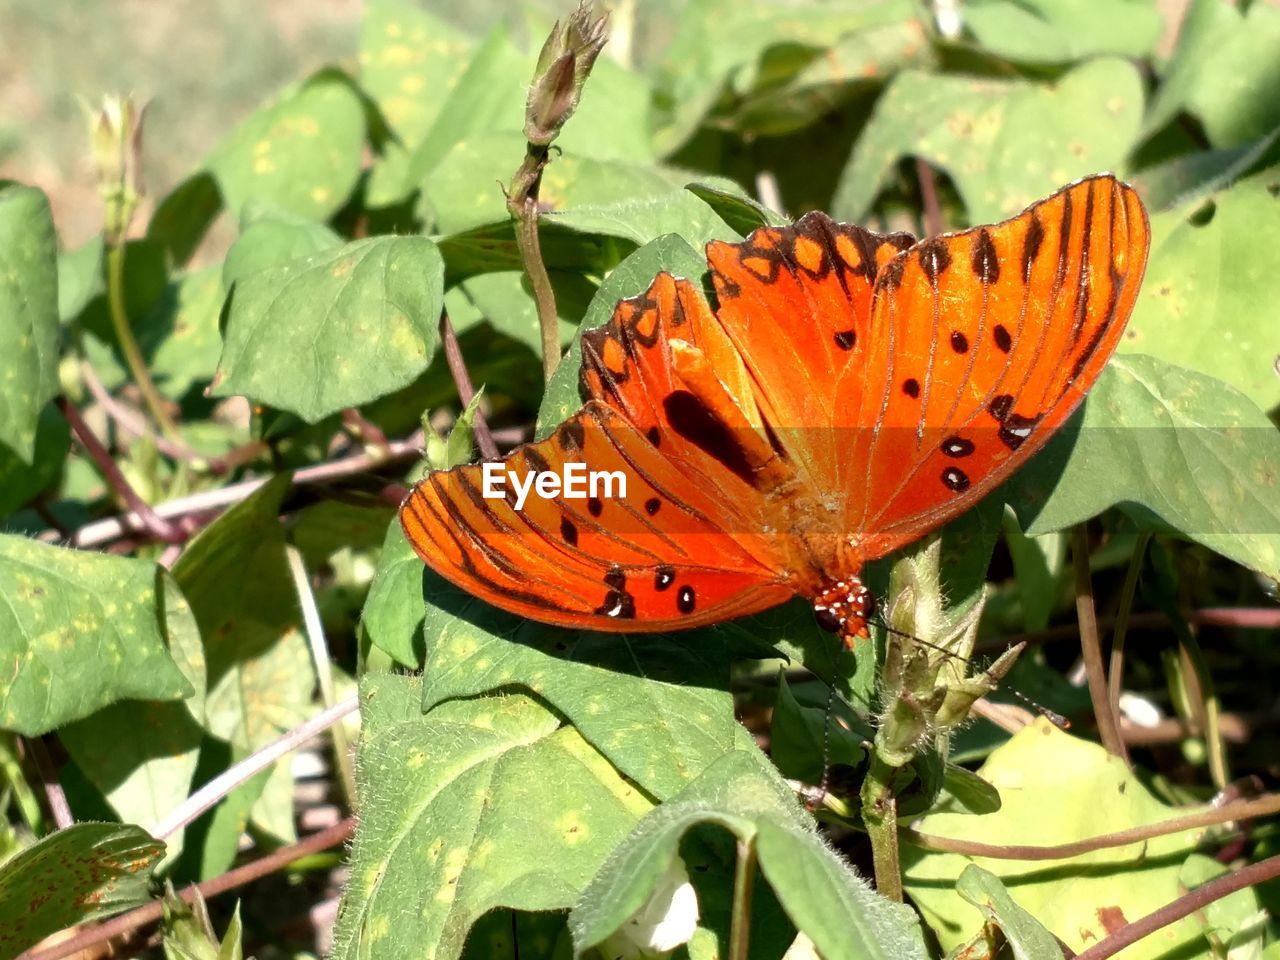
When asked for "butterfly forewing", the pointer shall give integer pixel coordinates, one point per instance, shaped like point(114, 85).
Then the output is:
point(984, 342)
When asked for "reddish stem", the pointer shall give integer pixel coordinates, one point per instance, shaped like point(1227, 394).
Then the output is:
point(155, 525)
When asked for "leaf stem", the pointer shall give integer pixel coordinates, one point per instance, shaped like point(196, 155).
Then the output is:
point(880, 817)
point(59, 809)
point(129, 345)
point(744, 876)
point(1091, 646)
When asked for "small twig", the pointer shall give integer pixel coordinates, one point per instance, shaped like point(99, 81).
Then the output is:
point(59, 809)
point(1243, 618)
point(221, 785)
point(1184, 906)
point(466, 391)
point(149, 520)
point(1241, 810)
point(744, 876)
point(324, 668)
point(134, 423)
point(128, 922)
point(104, 531)
point(363, 429)
point(880, 817)
point(544, 294)
point(1091, 646)
point(929, 197)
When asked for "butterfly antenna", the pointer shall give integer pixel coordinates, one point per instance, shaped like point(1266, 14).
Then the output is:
point(1057, 719)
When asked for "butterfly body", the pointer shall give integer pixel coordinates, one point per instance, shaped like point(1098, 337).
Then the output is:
point(851, 392)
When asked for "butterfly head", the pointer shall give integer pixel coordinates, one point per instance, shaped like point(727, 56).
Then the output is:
point(843, 607)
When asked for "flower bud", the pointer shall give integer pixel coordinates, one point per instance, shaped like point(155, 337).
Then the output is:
point(563, 65)
point(115, 140)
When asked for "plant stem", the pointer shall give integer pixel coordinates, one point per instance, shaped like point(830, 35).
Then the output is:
point(744, 877)
point(466, 390)
point(1116, 670)
point(129, 345)
point(880, 817)
point(1240, 810)
point(1091, 646)
point(522, 202)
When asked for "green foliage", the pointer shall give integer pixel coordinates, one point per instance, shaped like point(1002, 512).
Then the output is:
point(525, 790)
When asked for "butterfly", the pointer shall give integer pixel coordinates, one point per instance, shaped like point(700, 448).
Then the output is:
point(851, 392)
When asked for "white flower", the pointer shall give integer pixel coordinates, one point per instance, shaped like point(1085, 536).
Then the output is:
point(668, 919)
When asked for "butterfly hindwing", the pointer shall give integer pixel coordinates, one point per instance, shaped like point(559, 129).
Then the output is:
point(658, 557)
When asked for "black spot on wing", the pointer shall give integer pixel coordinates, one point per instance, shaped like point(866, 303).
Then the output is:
point(955, 479)
point(957, 447)
point(1004, 342)
point(686, 599)
point(568, 531)
point(845, 339)
point(935, 258)
point(959, 342)
point(663, 577)
point(911, 387)
point(1031, 246)
point(986, 262)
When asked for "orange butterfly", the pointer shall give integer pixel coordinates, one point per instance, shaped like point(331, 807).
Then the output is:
point(852, 392)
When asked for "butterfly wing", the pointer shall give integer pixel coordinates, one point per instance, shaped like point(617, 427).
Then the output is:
point(682, 537)
point(982, 344)
point(795, 302)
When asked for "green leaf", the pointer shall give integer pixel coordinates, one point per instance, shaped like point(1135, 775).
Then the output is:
point(723, 43)
point(658, 707)
point(58, 603)
point(260, 675)
point(1026, 936)
point(300, 153)
point(456, 449)
point(1063, 31)
point(676, 212)
point(179, 336)
point(374, 331)
point(464, 189)
point(184, 216)
point(80, 277)
point(1193, 176)
point(489, 95)
point(1209, 270)
point(629, 279)
point(1224, 71)
point(461, 817)
point(1238, 920)
point(392, 616)
point(504, 299)
point(274, 240)
point(1173, 448)
point(143, 754)
point(1056, 789)
point(739, 211)
point(819, 892)
point(964, 790)
point(19, 480)
point(85, 871)
point(804, 737)
point(28, 315)
point(409, 59)
point(1003, 143)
